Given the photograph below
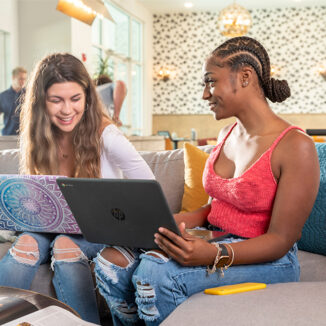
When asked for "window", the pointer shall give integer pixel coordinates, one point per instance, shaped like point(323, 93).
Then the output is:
point(5, 64)
point(122, 43)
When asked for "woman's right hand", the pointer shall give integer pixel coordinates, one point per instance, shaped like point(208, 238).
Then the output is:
point(186, 249)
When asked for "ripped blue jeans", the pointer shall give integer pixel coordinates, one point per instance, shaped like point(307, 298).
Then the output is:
point(72, 278)
point(150, 288)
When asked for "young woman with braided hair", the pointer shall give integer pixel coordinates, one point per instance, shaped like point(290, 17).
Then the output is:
point(259, 197)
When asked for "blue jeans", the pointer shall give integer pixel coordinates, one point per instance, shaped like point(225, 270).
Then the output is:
point(72, 279)
point(150, 288)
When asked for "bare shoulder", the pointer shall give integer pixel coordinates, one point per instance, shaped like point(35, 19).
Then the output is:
point(298, 148)
point(120, 84)
point(298, 141)
point(105, 122)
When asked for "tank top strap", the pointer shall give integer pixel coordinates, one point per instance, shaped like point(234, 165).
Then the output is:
point(283, 133)
point(227, 135)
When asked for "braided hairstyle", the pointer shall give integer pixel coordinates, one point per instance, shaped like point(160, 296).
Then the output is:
point(240, 51)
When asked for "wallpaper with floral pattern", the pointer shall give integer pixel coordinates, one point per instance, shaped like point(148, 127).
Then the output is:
point(294, 38)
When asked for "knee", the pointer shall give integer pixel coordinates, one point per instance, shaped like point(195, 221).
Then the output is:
point(113, 271)
point(116, 256)
point(25, 250)
point(153, 266)
point(65, 249)
point(114, 264)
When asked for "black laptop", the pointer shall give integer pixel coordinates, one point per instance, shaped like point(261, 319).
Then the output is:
point(118, 211)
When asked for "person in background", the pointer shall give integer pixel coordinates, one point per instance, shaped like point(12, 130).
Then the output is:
point(260, 200)
point(112, 95)
point(65, 131)
point(10, 101)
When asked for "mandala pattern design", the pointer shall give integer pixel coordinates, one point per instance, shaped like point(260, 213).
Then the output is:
point(34, 204)
point(294, 38)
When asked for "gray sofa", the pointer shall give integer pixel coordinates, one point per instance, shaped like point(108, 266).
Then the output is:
point(301, 303)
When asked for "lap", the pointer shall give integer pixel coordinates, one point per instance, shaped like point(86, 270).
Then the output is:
point(195, 279)
point(90, 249)
point(46, 241)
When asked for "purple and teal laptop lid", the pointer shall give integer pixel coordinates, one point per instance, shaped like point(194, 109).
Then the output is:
point(34, 203)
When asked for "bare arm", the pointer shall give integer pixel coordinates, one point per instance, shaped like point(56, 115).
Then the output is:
point(119, 94)
point(195, 218)
point(296, 194)
point(297, 161)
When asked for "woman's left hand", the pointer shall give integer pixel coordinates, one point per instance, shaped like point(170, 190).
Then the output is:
point(186, 249)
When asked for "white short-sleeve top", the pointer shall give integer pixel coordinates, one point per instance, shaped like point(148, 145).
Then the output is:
point(120, 159)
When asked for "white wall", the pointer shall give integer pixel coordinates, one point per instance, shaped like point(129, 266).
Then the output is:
point(9, 23)
point(81, 42)
point(136, 9)
point(42, 30)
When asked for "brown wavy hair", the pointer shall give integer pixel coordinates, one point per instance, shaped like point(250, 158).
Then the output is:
point(39, 137)
point(243, 50)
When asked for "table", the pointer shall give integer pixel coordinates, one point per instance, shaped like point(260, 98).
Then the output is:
point(148, 143)
point(40, 301)
point(176, 141)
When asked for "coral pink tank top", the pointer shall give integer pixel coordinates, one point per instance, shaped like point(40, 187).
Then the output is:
point(242, 205)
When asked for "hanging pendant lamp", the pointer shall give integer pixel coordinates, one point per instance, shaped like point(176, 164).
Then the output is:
point(234, 20)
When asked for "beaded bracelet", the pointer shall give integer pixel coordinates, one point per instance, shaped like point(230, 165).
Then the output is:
point(232, 259)
point(211, 270)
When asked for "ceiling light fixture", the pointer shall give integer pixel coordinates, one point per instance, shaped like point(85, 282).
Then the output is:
point(188, 4)
point(234, 20)
point(84, 10)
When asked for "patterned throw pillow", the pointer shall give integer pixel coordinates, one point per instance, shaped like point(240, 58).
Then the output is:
point(314, 231)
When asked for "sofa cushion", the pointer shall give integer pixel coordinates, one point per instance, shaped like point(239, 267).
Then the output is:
point(297, 303)
point(9, 159)
point(4, 247)
point(313, 237)
point(168, 168)
point(312, 267)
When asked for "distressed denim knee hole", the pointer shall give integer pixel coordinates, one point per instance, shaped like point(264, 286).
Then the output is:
point(25, 250)
point(67, 251)
point(111, 270)
point(145, 299)
point(123, 310)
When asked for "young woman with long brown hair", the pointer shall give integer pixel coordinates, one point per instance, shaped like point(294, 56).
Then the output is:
point(64, 131)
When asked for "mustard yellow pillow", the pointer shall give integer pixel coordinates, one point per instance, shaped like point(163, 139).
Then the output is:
point(194, 195)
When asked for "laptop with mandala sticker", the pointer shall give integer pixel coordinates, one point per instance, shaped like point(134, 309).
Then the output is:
point(34, 203)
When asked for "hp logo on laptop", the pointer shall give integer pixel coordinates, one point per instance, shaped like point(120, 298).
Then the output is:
point(118, 214)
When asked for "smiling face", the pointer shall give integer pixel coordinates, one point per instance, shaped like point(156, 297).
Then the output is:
point(220, 88)
point(65, 105)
